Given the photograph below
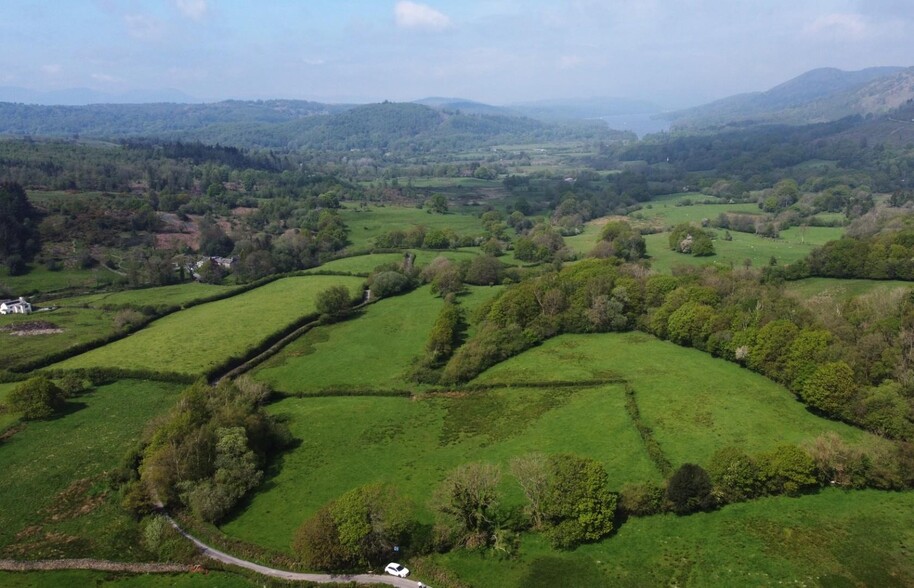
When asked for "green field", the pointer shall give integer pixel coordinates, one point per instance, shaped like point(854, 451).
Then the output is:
point(841, 289)
point(193, 341)
point(7, 418)
point(53, 497)
point(794, 245)
point(664, 211)
point(158, 297)
point(87, 578)
point(77, 325)
point(832, 539)
point(413, 444)
point(694, 403)
point(365, 224)
point(372, 351)
point(42, 281)
point(365, 264)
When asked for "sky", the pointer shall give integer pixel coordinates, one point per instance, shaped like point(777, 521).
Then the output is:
point(675, 53)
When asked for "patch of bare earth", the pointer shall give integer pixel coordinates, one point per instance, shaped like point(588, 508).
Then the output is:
point(75, 501)
point(29, 328)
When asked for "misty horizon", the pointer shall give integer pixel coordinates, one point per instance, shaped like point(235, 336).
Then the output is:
point(499, 53)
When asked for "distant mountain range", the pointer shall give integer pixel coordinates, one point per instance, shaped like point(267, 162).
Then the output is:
point(292, 124)
point(549, 110)
point(819, 95)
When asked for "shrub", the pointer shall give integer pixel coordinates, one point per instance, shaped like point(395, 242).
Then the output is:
point(36, 398)
point(734, 474)
point(642, 499)
point(689, 490)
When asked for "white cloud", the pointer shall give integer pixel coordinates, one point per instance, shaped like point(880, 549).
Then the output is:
point(570, 61)
point(52, 69)
point(411, 15)
point(848, 25)
point(100, 77)
point(195, 9)
point(143, 26)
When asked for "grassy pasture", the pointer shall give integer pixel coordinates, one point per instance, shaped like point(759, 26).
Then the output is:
point(194, 340)
point(664, 211)
point(158, 297)
point(7, 418)
point(79, 325)
point(841, 289)
point(372, 351)
point(365, 225)
point(794, 245)
point(694, 403)
point(834, 538)
point(40, 280)
point(413, 444)
point(56, 579)
point(365, 264)
point(53, 501)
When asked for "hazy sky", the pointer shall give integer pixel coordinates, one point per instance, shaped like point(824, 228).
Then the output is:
point(674, 52)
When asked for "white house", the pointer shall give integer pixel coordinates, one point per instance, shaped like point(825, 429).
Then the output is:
point(15, 306)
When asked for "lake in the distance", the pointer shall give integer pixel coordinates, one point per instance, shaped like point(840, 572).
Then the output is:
point(640, 124)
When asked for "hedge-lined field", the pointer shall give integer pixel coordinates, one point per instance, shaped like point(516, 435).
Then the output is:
point(78, 326)
point(372, 351)
point(794, 245)
point(365, 264)
point(413, 444)
point(366, 224)
point(158, 297)
point(834, 538)
point(694, 403)
point(86, 578)
point(841, 289)
point(195, 340)
point(53, 496)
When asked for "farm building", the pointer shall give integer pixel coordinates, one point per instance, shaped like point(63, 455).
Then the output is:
point(19, 306)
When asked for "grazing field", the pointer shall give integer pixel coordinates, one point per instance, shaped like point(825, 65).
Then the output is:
point(76, 326)
point(841, 289)
point(57, 579)
point(413, 444)
point(193, 341)
point(694, 403)
point(53, 497)
point(834, 538)
point(365, 264)
point(158, 297)
point(794, 245)
point(373, 351)
point(41, 281)
point(366, 224)
point(665, 211)
point(7, 418)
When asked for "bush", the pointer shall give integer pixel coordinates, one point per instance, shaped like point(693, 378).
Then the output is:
point(734, 474)
point(689, 490)
point(36, 398)
point(333, 301)
point(641, 500)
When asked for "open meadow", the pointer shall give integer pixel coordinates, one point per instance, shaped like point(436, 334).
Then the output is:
point(365, 264)
point(366, 224)
point(694, 403)
point(372, 351)
point(841, 288)
point(54, 500)
point(27, 338)
point(413, 443)
point(194, 340)
point(157, 297)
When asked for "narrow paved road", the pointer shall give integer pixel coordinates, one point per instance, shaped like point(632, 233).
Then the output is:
point(220, 556)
